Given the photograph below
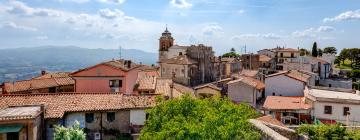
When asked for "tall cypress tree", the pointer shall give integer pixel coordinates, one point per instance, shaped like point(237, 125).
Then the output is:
point(314, 51)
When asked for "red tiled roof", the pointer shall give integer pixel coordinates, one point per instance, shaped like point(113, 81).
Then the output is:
point(53, 75)
point(19, 113)
point(285, 103)
point(249, 73)
point(181, 60)
point(264, 58)
point(292, 74)
point(117, 64)
point(249, 81)
point(271, 120)
point(38, 83)
point(210, 85)
point(57, 104)
point(147, 80)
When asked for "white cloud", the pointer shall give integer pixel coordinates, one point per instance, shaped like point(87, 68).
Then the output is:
point(263, 36)
point(182, 4)
point(348, 15)
point(112, 1)
point(20, 8)
point(325, 29)
point(42, 37)
point(12, 25)
point(111, 14)
point(212, 29)
point(312, 32)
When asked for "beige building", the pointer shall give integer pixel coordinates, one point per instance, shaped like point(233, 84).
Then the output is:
point(207, 90)
point(246, 90)
point(281, 55)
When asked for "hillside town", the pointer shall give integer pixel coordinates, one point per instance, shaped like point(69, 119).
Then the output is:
point(287, 87)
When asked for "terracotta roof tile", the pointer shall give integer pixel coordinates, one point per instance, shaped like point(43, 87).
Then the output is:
point(249, 73)
point(264, 58)
point(249, 81)
point(285, 103)
point(211, 85)
point(269, 119)
point(181, 60)
point(53, 75)
point(57, 104)
point(293, 74)
point(147, 80)
point(19, 112)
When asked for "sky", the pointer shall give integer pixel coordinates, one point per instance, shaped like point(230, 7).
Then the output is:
point(222, 24)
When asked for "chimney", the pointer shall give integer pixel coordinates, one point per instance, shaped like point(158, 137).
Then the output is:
point(129, 64)
point(43, 72)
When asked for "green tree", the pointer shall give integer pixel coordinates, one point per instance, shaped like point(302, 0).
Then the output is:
point(344, 54)
point(331, 50)
point(320, 52)
point(327, 132)
point(304, 52)
point(72, 133)
point(190, 118)
point(314, 51)
point(232, 53)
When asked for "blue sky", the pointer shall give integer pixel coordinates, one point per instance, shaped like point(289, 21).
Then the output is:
point(138, 24)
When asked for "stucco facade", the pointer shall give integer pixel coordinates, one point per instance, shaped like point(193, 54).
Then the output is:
point(282, 85)
point(97, 79)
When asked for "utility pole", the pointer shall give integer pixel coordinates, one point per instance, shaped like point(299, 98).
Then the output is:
point(120, 52)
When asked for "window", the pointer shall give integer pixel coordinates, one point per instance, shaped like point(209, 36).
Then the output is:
point(346, 111)
point(292, 55)
point(110, 116)
point(281, 55)
point(273, 93)
point(52, 90)
point(12, 136)
point(115, 83)
point(180, 53)
point(328, 109)
point(89, 117)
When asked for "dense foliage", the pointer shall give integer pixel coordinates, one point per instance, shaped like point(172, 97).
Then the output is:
point(72, 133)
point(314, 51)
point(352, 54)
point(330, 50)
point(327, 132)
point(190, 118)
point(304, 52)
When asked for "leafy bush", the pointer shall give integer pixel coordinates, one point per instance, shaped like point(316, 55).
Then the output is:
point(189, 118)
point(327, 132)
point(72, 133)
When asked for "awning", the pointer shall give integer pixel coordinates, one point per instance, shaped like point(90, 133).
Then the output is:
point(10, 128)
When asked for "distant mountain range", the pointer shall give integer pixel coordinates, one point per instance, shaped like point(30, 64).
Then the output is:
point(24, 63)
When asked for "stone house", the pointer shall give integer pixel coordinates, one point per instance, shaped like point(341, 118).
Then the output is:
point(189, 65)
point(100, 114)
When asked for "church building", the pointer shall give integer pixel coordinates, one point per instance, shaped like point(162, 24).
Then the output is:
point(188, 65)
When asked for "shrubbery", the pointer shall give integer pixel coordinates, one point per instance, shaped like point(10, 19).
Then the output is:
point(189, 118)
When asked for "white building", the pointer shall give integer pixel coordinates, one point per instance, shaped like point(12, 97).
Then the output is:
point(286, 83)
point(333, 104)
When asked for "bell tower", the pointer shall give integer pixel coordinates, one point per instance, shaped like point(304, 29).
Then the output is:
point(165, 42)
